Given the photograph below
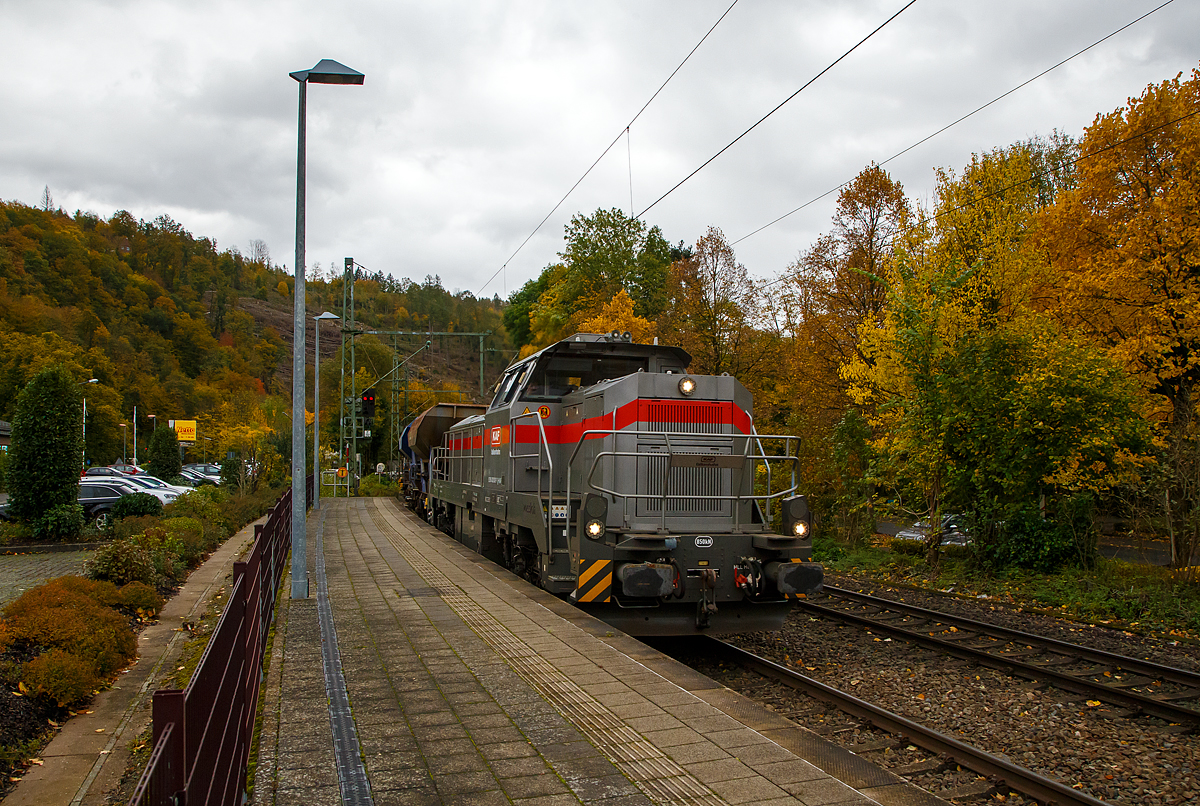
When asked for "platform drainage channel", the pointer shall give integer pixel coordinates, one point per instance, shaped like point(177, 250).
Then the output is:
point(352, 776)
point(662, 780)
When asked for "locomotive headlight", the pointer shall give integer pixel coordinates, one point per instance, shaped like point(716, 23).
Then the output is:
point(594, 529)
point(797, 520)
point(687, 386)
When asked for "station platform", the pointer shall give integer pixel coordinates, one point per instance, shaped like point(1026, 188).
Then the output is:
point(467, 685)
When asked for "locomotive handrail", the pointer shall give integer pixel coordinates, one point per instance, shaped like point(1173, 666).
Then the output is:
point(542, 442)
point(795, 483)
point(436, 470)
point(794, 460)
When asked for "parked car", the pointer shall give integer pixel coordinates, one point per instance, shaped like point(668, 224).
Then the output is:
point(197, 479)
point(104, 471)
point(953, 533)
point(206, 469)
point(178, 489)
point(160, 490)
point(97, 497)
point(127, 468)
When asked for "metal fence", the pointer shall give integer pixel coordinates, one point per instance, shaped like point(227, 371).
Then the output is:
point(202, 733)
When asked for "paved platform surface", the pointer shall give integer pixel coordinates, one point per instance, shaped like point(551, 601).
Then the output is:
point(469, 686)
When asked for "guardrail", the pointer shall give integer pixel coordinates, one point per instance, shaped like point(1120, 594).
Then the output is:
point(202, 733)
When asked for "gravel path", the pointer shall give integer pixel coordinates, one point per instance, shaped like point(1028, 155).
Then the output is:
point(1058, 734)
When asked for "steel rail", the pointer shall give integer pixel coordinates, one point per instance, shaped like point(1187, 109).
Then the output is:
point(1038, 787)
point(1068, 682)
point(1124, 662)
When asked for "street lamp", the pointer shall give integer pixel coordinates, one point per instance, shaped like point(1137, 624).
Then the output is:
point(124, 444)
point(153, 417)
point(326, 71)
point(84, 449)
point(317, 408)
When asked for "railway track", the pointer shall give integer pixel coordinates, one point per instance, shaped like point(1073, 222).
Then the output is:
point(1136, 687)
point(1019, 779)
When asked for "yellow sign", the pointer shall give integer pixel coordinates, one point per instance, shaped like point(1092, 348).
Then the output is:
point(185, 430)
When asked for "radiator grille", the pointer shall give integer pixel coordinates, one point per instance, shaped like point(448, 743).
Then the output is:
point(694, 416)
point(704, 483)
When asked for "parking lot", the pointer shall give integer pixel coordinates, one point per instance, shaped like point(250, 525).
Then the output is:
point(20, 572)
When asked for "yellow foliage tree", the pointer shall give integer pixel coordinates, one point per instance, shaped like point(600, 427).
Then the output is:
point(618, 314)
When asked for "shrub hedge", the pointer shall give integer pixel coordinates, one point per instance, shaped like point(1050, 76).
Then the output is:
point(136, 504)
point(79, 631)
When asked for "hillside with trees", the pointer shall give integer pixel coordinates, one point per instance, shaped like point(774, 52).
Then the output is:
point(172, 325)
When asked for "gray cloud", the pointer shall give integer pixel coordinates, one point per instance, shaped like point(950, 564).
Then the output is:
point(477, 116)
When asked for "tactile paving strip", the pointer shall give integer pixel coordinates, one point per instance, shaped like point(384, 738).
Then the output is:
point(663, 780)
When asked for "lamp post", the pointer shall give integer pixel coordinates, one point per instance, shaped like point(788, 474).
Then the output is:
point(326, 71)
point(84, 449)
point(124, 444)
point(317, 407)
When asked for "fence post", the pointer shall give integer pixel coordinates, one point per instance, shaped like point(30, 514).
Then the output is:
point(169, 708)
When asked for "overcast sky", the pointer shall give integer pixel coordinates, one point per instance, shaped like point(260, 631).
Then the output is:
point(476, 117)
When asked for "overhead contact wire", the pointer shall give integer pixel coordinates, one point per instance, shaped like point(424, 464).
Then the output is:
point(1033, 177)
point(782, 103)
point(604, 153)
point(929, 137)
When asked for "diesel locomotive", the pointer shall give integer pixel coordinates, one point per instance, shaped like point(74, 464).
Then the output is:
point(605, 473)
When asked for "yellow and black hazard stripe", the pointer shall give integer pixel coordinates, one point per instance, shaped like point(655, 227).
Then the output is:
point(595, 581)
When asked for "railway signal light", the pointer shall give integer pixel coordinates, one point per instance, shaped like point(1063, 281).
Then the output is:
point(368, 405)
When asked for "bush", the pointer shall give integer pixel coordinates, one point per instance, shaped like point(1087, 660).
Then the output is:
point(43, 470)
point(14, 534)
point(205, 504)
point(136, 504)
point(62, 522)
point(104, 593)
point(1027, 540)
point(165, 552)
point(376, 486)
point(62, 676)
point(122, 562)
point(138, 597)
point(60, 615)
point(192, 539)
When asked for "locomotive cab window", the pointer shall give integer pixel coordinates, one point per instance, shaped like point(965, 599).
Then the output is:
point(508, 388)
point(562, 375)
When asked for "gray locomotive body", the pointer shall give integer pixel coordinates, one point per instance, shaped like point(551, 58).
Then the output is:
point(603, 472)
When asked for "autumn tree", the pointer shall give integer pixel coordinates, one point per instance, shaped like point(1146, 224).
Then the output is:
point(605, 253)
point(618, 315)
point(717, 312)
point(1124, 246)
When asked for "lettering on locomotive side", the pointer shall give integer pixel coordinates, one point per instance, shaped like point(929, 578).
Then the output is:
point(703, 541)
point(496, 480)
point(495, 435)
